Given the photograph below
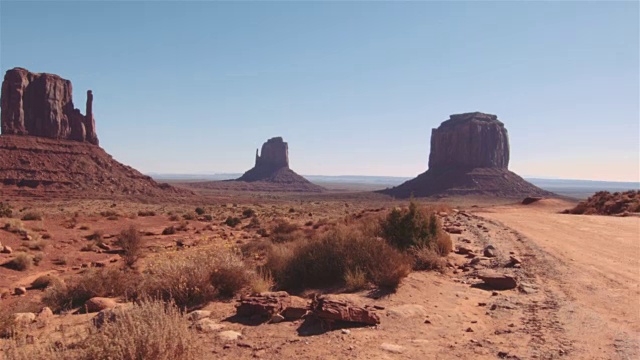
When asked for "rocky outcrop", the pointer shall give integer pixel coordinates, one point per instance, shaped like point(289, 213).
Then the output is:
point(269, 305)
point(606, 203)
point(331, 308)
point(40, 104)
point(469, 156)
point(471, 140)
point(270, 173)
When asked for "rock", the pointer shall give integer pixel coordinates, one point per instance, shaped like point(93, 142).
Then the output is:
point(530, 200)
point(453, 230)
point(330, 308)
point(198, 314)
point(207, 325)
point(268, 304)
point(407, 311)
point(346, 331)
point(40, 104)
point(498, 281)
point(514, 261)
point(21, 290)
point(229, 335)
point(24, 318)
point(45, 313)
point(463, 250)
point(275, 154)
point(276, 318)
point(392, 348)
point(97, 304)
point(469, 156)
point(489, 251)
point(6, 250)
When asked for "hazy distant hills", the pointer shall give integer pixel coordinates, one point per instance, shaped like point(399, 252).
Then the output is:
point(573, 188)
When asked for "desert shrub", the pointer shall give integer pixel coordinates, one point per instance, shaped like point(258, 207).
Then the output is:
point(60, 260)
point(131, 243)
point(170, 230)
point(22, 262)
point(194, 277)
point(95, 236)
point(262, 281)
point(147, 330)
point(189, 216)
point(232, 221)
point(89, 247)
point(442, 244)
point(427, 258)
point(14, 226)
point(200, 211)
point(104, 283)
point(6, 211)
point(292, 210)
point(355, 280)
point(36, 244)
point(174, 217)
point(207, 217)
point(405, 228)
point(284, 231)
point(146, 213)
point(109, 213)
point(112, 217)
point(326, 260)
point(37, 258)
point(247, 213)
point(320, 223)
point(309, 223)
point(45, 281)
point(32, 215)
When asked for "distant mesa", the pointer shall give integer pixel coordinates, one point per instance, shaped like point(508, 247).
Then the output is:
point(270, 173)
point(49, 149)
point(469, 156)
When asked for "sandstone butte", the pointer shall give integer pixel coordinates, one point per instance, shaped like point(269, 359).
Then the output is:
point(48, 148)
point(469, 156)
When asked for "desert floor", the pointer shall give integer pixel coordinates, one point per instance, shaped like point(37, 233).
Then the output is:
point(578, 294)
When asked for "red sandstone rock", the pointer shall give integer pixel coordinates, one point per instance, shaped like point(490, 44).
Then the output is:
point(331, 308)
point(498, 281)
point(40, 104)
point(268, 304)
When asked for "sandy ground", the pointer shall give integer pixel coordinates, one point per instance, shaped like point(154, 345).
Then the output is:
point(578, 294)
point(591, 266)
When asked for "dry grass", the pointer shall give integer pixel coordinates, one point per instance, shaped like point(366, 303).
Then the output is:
point(32, 215)
point(148, 330)
point(22, 262)
point(427, 258)
point(45, 281)
point(194, 277)
point(355, 280)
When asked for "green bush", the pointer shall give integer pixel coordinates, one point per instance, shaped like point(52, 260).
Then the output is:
point(232, 221)
point(200, 211)
point(410, 227)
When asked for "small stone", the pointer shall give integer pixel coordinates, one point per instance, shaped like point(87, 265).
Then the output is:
point(207, 325)
point(489, 251)
point(97, 304)
point(198, 314)
point(229, 335)
point(20, 290)
point(6, 250)
point(392, 348)
point(45, 313)
point(469, 330)
point(346, 331)
point(277, 318)
point(24, 318)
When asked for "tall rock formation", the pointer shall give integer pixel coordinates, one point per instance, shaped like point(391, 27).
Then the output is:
point(40, 104)
point(49, 149)
point(270, 173)
point(469, 156)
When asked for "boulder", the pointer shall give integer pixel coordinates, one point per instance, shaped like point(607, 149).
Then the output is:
point(268, 304)
point(45, 313)
point(24, 318)
point(21, 290)
point(97, 304)
point(489, 251)
point(229, 335)
point(40, 104)
point(330, 308)
point(498, 281)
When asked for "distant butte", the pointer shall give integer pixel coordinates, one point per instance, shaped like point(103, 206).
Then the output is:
point(49, 149)
point(469, 156)
point(270, 173)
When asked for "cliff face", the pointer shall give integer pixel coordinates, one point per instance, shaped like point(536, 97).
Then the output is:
point(469, 156)
point(471, 140)
point(274, 154)
point(40, 104)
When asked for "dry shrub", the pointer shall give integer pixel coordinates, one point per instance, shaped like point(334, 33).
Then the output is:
point(45, 281)
point(174, 217)
point(109, 213)
point(355, 280)
point(169, 230)
point(261, 282)
point(6, 211)
point(95, 236)
point(131, 243)
point(427, 258)
point(200, 211)
point(194, 277)
point(148, 330)
point(146, 213)
point(247, 213)
point(103, 283)
point(442, 244)
point(284, 231)
point(232, 221)
point(325, 261)
point(36, 244)
point(32, 215)
point(22, 262)
point(14, 226)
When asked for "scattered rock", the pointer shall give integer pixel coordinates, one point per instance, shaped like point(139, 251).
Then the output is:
point(6, 250)
point(277, 318)
point(207, 325)
point(453, 230)
point(97, 304)
point(229, 335)
point(24, 318)
point(198, 314)
point(489, 251)
point(463, 250)
point(392, 348)
point(21, 290)
point(45, 313)
point(268, 304)
point(330, 308)
point(498, 281)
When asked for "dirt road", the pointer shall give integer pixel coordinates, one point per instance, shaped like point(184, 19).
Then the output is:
point(589, 266)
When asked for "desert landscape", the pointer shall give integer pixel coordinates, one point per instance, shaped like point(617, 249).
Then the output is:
point(468, 260)
point(431, 180)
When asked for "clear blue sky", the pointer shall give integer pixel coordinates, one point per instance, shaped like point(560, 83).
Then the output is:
point(353, 87)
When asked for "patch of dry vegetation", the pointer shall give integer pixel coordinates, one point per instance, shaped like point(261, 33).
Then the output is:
point(606, 203)
point(148, 330)
point(132, 244)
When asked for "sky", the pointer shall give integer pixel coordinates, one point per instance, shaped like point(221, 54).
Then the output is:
point(354, 87)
